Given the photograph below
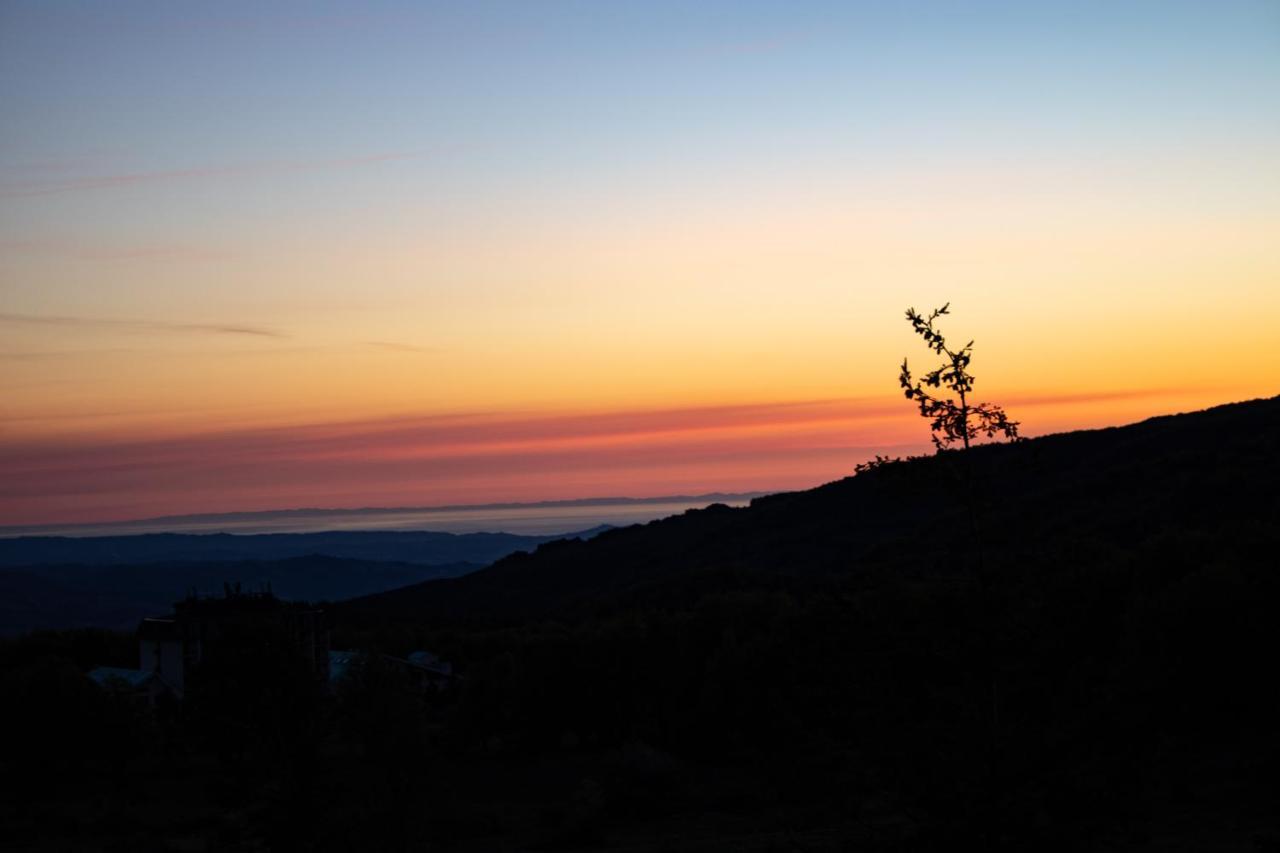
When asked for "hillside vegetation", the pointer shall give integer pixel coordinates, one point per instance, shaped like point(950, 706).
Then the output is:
point(1168, 492)
point(835, 647)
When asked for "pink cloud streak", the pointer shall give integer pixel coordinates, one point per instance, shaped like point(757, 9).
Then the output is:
point(463, 458)
point(27, 189)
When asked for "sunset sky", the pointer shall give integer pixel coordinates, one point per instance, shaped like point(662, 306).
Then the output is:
point(259, 256)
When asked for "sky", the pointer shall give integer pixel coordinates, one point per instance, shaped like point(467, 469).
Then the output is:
point(258, 256)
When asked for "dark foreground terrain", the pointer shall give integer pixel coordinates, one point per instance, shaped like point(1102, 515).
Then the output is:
point(1081, 657)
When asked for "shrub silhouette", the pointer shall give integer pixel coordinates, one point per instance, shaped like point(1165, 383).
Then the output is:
point(954, 419)
point(958, 420)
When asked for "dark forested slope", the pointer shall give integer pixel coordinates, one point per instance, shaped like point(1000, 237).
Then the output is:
point(1083, 663)
point(1054, 503)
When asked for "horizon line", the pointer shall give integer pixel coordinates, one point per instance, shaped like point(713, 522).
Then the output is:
point(20, 530)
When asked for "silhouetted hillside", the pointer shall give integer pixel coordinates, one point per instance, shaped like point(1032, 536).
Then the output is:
point(1090, 671)
point(1048, 505)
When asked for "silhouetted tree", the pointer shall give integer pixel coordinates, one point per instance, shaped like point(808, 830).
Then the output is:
point(957, 420)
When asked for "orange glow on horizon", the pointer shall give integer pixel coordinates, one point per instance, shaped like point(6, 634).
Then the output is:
point(483, 458)
point(577, 272)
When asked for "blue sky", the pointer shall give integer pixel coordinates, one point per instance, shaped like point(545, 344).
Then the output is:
point(589, 85)
point(237, 216)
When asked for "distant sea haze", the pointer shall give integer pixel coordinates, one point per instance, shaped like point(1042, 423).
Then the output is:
point(529, 518)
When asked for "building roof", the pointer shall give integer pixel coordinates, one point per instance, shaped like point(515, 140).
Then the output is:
point(153, 628)
point(107, 676)
point(430, 662)
point(339, 663)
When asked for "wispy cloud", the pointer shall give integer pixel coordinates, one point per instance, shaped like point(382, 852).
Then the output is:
point(439, 459)
point(44, 355)
point(96, 251)
point(471, 458)
point(272, 23)
point(140, 325)
point(393, 346)
point(25, 189)
point(1095, 396)
point(28, 355)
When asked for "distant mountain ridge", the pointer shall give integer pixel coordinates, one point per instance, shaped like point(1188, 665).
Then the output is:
point(200, 522)
point(422, 547)
point(117, 596)
point(112, 581)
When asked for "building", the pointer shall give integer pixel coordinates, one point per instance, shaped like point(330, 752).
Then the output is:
point(170, 648)
point(422, 671)
point(429, 672)
point(161, 651)
point(143, 686)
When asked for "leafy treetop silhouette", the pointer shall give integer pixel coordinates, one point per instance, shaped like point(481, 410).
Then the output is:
point(957, 420)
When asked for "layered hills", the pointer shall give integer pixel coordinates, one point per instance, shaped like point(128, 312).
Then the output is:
point(112, 581)
point(1063, 644)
